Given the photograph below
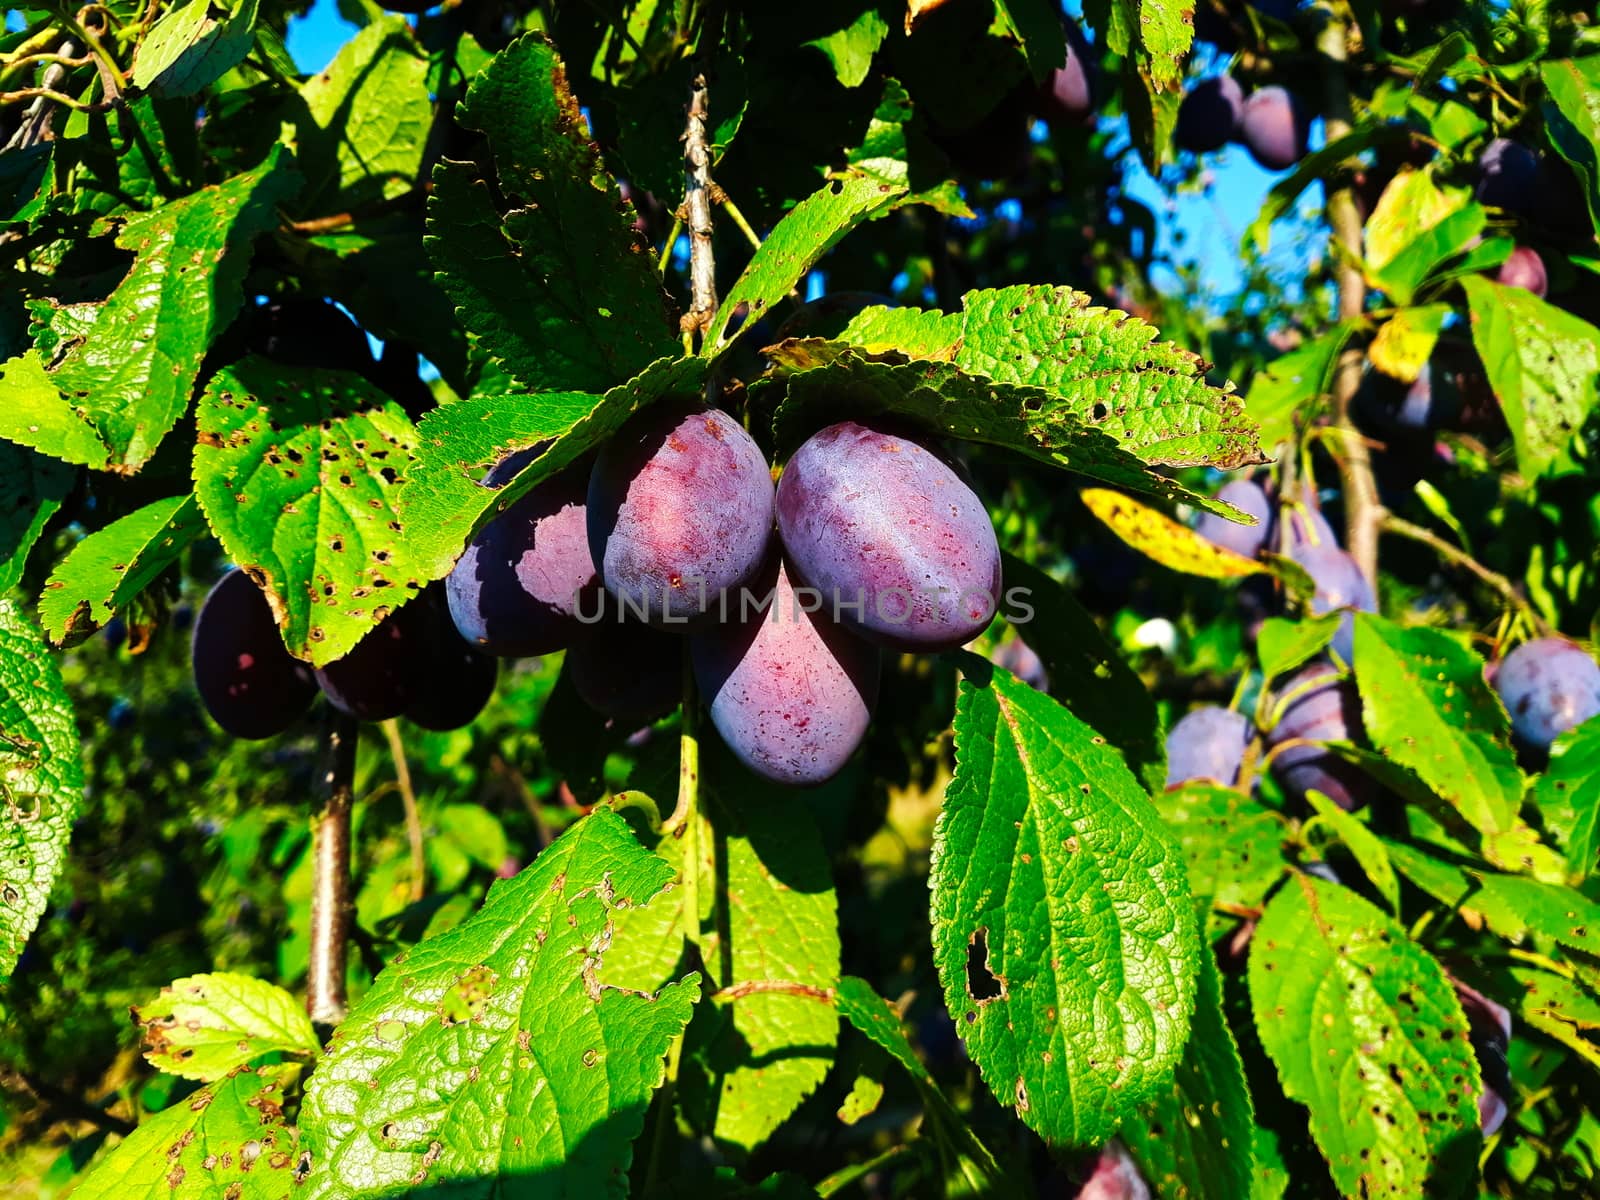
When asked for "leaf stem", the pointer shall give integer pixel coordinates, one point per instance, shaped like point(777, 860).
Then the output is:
point(732, 209)
point(408, 798)
point(665, 256)
point(1496, 582)
point(769, 987)
point(326, 1000)
point(845, 1176)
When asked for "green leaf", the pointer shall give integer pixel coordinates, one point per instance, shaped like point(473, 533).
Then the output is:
point(948, 401)
point(558, 287)
point(495, 1048)
point(1542, 363)
point(1282, 645)
point(1572, 119)
point(1166, 31)
point(1195, 1139)
point(1516, 906)
point(297, 469)
point(851, 48)
point(193, 45)
point(1406, 272)
point(1319, 164)
point(1561, 1009)
point(1285, 386)
point(1412, 203)
point(102, 573)
point(899, 155)
point(1099, 365)
point(130, 361)
point(1426, 707)
point(227, 1139)
point(1444, 882)
point(32, 488)
point(1364, 845)
point(370, 115)
point(36, 414)
point(207, 1026)
point(1366, 1031)
point(807, 232)
point(443, 505)
point(1086, 672)
point(1568, 796)
point(1062, 926)
point(1233, 846)
point(41, 779)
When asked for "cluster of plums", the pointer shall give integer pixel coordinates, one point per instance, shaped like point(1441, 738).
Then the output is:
point(668, 534)
point(1271, 122)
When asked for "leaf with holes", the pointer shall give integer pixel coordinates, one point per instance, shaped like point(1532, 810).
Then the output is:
point(127, 364)
point(1195, 1139)
point(228, 1139)
point(1233, 846)
point(556, 285)
point(1567, 794)
point(207, 1026)
point(1366, 1031)
point(41, 779)
point(1063, 930)
point(32, 487)
point(1516, 906)
point(505, 1046)
point(105, 571)
point(1163, 540)
point(297, 470)
point(443, 504)
point(1562, 1009)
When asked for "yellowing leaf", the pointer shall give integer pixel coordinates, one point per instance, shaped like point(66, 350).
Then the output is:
point(916, 10)
point(1411, 204)
point(1405, 342)
point(1158, 536)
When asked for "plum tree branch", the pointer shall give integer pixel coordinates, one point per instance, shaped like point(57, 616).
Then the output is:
point(1361, 507)
point(326, 1000)
point(696, 213)
point(1454, 554)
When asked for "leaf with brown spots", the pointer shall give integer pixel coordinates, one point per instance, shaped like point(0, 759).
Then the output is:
point(1158, 537)
point(205, 1026)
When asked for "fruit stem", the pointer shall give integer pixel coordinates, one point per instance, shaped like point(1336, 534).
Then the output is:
point(1361, 506)
point(1454, 554)
point(696, 213)
point(326, 999)
point(408, 799)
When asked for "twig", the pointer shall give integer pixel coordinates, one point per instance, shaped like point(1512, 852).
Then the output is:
point(696, 215)
point(530, 802)
point(408, 799)
point(1454, 554)
point(666, 250)
point(768, 987)
point(1361, 507)
point(326, 1000)
point(36, 121)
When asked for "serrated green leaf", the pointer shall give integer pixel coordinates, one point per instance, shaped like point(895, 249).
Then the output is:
point(227, 1139)
point(192, 45)
point(947, 400)
point(41, 779)
point(1364, 845)
point(808, 231)
point(207, 1026)
point(1233, 846)
point(370, 115)
point(297, 469)
point(111, 566)
point(1194, 1141)
point(1282, 645)
point(443, 505)
point(1284, 388)
point(496, 1048)
point(1086, 672)
point(1166, 32)
point(32, 488)
point(1572, 119)
point(558, 288)
point(37, 415)
point(1568, 796)
point(1543, 364)
point(899, 155)
point(1366, 1031)
point(1516, 906)
point(1562, 1009)
point(1152, 109)
point(128, 363)
point(1063, 931)
point(1445, 883)
point(1426, 707)
point(851, 48)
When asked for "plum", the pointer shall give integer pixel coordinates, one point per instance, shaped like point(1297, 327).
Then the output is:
point(1115, 1176)
point(1209, 116)
point(1489, 1030)
point(623, 668)
point(1548, 685)
point(247, 680)
point(1068, 94)
point(378, 678)
point(1508, 177)
point(1339, 585)
point(1525, 269)
point(679, 511)
point(791, 692)
point(1274, 126)
point(1207, 744)
point(1324, 708)
point(900, 548)
point(455, 678)
point(513, 591)
point(1016, 656)
point(1247, 540)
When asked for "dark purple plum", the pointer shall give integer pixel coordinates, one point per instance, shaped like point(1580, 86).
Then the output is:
point(1339, 585)
point(1325, 708)
point(247, 680)
point(1016, 656)
point(901, 549)
point(679, 511)
point(1248, 540)
point(1115, 1177)
point(1067, 95)
point(1273, 126)
point(378, 678)
point(1508, 177)
point(1525, 269)
point(1209, 116)
point(791, 692)
point(1207, 744)
point(455, 678)
point(1548, 685)
point(1489, 1029)
point(624, 669)
point(513, 592)
point(1417, 409)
